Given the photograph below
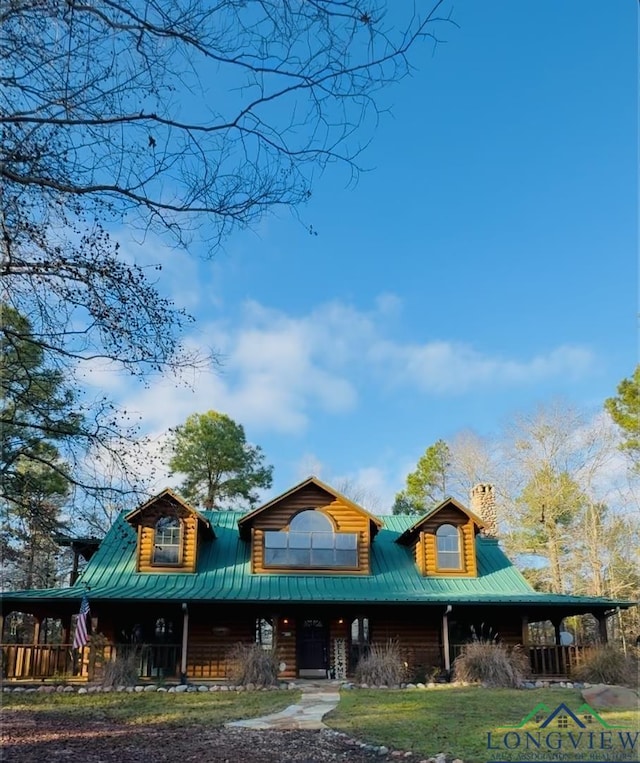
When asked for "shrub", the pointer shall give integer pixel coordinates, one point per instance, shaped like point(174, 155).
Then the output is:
point(492, 664)
point(608, 665)
point(251, 664)
point(384, 665)
point(123, 671)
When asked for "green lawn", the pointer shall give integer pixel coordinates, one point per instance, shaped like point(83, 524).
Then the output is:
point(186, 709)
point(456, 720)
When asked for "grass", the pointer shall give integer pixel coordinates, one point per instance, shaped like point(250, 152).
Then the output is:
point(186, 709)
point(455, 720)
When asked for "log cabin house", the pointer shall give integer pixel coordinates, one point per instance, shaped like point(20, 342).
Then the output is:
point(311, 573)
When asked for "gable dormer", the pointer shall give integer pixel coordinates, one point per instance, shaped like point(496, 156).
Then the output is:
point(169, 533)
point(311, 528)
point(443, 541)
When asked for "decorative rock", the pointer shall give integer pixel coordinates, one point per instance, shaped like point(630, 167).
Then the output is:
point(59, 689)
point(138, 688)
point(203, 688)
point(215, 687)
point(107, 689)
point(151, 687)
point(82, 690)
point(603, 695)
point(457, 760)
point(224, 688)
point(129, 689)
point(383, 750)
point(431, 685)
point(569, 685)
point(397, 754)
point(420, 685)
point(192, 689)
point(364, 686)
point(249, 687)
point(162, 688)
point(441, 758)
point(408, 754)
point(31, 691)
point(120, 688)
point(539, 684)
point(172, 690)
point(68, 689)
point(291, 687)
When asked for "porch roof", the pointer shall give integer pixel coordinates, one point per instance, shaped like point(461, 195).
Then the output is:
point(224, 575)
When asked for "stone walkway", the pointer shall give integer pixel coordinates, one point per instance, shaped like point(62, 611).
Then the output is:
point(318, 698)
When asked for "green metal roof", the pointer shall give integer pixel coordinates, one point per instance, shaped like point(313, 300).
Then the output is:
point(224, 574)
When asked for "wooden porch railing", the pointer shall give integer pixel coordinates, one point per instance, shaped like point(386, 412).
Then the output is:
point(41, 661)
point(209, 661)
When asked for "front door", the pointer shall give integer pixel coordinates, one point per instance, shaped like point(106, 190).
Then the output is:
point(313, 649)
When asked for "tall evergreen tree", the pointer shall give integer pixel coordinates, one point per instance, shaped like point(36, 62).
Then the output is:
point(220, 467)
point(427, 484)
point(624, 409)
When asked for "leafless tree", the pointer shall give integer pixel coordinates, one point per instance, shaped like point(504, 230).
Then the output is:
point(168, 115)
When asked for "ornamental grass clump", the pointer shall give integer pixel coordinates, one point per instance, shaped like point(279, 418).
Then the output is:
point(608, 665)
point(491, 664)
point(252, 664)
point(384, 665)
point(124, 669)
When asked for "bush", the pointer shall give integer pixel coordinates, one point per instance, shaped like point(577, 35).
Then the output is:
point(491, 664)
point(384, 665)
point(123, 671)
point(251, 664)
point(608, 665)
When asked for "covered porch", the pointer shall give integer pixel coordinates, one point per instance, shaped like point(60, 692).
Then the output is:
point(191, 641)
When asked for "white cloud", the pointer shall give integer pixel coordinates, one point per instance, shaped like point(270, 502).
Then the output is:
point(441, 367)
point(280, 370)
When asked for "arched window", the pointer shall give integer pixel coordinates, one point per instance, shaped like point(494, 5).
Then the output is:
point(448, 547)
point(167, 541)
point(311, 541)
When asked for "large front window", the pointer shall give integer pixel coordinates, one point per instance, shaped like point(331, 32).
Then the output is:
point(448, 547)
point(311, 541)
point(167, 542)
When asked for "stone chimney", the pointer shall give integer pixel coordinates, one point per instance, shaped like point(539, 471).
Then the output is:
point(483, 503)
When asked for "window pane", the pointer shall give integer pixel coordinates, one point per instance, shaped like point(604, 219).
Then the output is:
point(322, 540)
point(299, 540)
point(448, 560)
point(278, 557)
point(322, 557)
point(311, 520)
point(346, 557)
point(166, 554)
point(346, 540)
point(275, 539)
point(299, 557)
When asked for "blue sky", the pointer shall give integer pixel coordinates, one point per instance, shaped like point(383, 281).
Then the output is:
point(485, 263)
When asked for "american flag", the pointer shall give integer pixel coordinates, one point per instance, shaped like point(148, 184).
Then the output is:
point(81, 636)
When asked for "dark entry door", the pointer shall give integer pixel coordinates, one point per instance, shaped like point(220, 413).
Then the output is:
point(313, 649)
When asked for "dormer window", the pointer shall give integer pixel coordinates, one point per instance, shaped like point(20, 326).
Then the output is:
point(310, 542)
point(448, 548)
point(167, 542)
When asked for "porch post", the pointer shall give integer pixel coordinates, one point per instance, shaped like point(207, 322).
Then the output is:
point(525, 630)
point(445, 638)
point(185, 640)
point(1, 629)
point(556, 628)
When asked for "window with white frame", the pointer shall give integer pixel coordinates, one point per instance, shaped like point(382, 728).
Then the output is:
point(312, 542)
point(167, 541)
point(448, 548)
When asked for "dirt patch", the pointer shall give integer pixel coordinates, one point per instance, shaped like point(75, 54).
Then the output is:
point(54, 737)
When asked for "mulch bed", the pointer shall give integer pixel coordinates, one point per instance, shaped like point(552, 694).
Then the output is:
point(55, 737)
